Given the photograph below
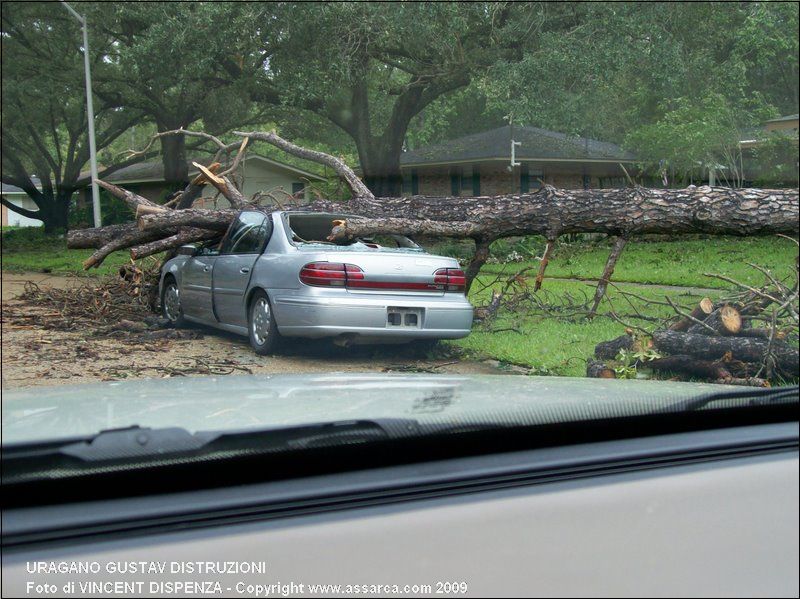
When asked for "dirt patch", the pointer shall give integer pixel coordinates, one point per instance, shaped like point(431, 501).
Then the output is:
point(14, 283)
point(60, 332)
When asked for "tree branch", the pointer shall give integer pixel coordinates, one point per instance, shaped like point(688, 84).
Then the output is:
point(345, 172)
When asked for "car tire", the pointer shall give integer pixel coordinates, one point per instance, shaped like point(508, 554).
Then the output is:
point(261, 326)
point(171, 303)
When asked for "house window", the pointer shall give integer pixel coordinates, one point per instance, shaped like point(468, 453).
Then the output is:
point(465, 180)
point(297, 188)
point(411, 183)
point(455, 181)
point(613, 183)
point(529, 178)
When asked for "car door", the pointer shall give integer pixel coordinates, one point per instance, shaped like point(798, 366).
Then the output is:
point(234, 265)
point(196, 288)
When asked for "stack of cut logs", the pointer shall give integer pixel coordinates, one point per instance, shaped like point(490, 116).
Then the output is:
point(723, 343)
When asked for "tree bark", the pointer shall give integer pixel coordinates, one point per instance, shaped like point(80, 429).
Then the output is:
point(479, 258)
point(551, 212)
point(184, 236)
point(608, 350)
point(169, 220)
point(746, 349)
point(79, 239)
point(173, 159)
point(691, 366)
point(596, 369)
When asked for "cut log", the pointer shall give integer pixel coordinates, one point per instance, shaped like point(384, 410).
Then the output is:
point(762, 333)
point(596, 369)
point(700, 312)
point(690, 366)
point(746, 349)
point(726, 320)
point(608, 350)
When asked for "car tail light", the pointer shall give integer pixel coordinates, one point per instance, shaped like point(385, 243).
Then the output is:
point(452, 278)
point(335, 274)
point(329, 274)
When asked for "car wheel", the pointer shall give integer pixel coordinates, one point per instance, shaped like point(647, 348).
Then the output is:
point(262, 327)
point(171, 303)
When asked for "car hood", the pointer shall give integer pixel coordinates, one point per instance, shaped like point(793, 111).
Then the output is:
point(258, 401)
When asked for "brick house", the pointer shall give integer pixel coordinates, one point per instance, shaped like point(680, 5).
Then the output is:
point(481, 163)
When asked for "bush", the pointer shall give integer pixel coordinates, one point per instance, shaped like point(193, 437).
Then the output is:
point(21, 239)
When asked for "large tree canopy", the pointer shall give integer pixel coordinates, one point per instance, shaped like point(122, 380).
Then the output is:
point(44, 132)
point(170, 61)
point(369, 68)
point(369, 79)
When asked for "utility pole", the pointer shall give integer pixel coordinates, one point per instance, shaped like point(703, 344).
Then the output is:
point(89, 114)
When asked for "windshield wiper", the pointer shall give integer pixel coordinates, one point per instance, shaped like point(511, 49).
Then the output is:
point(148, 446)
point(754, 396)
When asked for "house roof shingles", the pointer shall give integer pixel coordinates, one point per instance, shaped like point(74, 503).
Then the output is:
point(496, 143)
point(12, 189)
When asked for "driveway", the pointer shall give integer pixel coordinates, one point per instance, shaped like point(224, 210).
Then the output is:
point(36, 355)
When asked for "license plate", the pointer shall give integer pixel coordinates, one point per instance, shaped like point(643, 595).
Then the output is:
point(404, 318)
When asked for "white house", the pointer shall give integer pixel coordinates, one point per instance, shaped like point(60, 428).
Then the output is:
point(258, 173)
point(19, 198)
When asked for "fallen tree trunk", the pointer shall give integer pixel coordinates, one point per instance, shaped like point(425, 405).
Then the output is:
point(691, 366)
point(551, 212)
point(746, 349)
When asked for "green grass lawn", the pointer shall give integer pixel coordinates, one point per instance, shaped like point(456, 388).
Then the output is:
point(545, 344)
point(30, 250)
point(558, 346)
point(561, 346)
point(670, 263)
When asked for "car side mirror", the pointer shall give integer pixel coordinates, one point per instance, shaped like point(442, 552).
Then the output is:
point(187, 250)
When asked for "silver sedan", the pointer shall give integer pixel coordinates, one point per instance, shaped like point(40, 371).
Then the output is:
point(274, 274)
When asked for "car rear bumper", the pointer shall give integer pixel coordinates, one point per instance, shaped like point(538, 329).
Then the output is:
point(365, 318)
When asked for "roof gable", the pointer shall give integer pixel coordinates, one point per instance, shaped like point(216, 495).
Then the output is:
point(154, 171)
point(535, 144)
